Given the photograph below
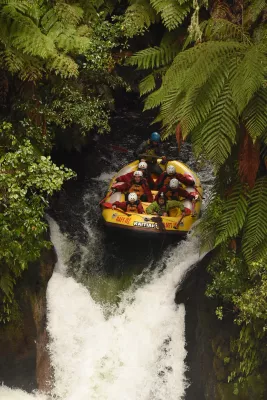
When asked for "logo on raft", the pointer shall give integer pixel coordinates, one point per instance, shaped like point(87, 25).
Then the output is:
point(145, 224)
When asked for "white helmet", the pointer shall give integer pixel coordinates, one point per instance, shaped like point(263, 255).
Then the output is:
point(174, 183)
point(138, 173)
point(142, 165)
point(171, 170)
point(132, 197)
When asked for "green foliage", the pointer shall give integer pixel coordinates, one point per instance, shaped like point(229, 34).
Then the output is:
point(255, 229)
point(27, 179)
point(138, 17)
point(57, 73)
point(234, 213)
point(214, 86)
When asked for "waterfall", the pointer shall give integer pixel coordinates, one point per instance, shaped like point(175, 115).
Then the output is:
point(133, 349)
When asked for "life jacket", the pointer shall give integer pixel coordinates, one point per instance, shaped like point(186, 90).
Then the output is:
point(137, 188)
point(163, 209)
point(167, 179)
point(172, 194)
point(132, 207)
point(151, 150)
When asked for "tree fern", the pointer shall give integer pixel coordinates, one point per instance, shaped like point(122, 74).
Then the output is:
point(255, 229)
point(221, 29)
point(248, 76)
point(234, 213)
point(255, 114)
point(63, 65)
point(139, 16)
point(153, 100)
point(219, 129)
point(70, 14)
point(147, 84)
point(153, 57)
point(253, 11)
point(172, 12)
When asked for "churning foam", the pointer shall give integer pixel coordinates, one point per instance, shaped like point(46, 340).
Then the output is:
point(136, 353)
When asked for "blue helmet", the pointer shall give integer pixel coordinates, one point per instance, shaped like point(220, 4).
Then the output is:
point(155, 137)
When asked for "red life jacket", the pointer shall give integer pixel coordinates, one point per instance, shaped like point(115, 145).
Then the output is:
point(132, 207)
point(167, 179)
point(137, 188)
point(172, 194)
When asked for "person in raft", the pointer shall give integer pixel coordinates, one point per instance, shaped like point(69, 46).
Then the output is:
point(148, 151)
point(173, 191)
point(137, 185)
point(142, 166)
point(162, 206)
point(132, 205)
point(170, 173)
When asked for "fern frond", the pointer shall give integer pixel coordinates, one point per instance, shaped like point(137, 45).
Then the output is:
point(31, 71)
point(200, 100)
point(24, 6)
point(147, 84)
point(70, 42)
point(153, 100)
point(33, 43)
point(221, 29)
point(253, 11)
point(11, 60)
point(233, 215)
point(63, 66)
point(255, 229)
point(153, 57)
point(219, 130)
point(6, 284)
point(255, 114)
point(70, 14)
point(48, 20)
point(139, 16)
point(172, 12)
point(248, 76)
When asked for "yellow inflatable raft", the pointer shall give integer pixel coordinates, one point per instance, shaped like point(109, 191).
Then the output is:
point(146, 223)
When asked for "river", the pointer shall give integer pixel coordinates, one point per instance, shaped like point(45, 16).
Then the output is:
point(116, 332)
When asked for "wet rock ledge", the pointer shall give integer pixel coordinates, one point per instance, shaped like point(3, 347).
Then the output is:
point(204, 335)
point(24, 361)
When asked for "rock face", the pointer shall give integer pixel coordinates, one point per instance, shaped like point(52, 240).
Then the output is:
point(24, 361)
point(202, 330)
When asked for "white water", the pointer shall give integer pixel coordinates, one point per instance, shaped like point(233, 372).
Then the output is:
point(137, 353)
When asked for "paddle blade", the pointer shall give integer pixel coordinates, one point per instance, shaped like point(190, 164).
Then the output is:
point(107, 205)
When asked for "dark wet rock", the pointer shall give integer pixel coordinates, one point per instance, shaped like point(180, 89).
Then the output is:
point(203, 332)
point(24, 361)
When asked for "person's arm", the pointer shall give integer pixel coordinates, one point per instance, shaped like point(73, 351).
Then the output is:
point(152, 208)
point(140, 208)
point(148, 193)
point(160, 153)
point(186, 179)
point(175, 203)
point(125, 178)
point(185, 194)
point(120, 204)
point(121, 188)
point(160, 180)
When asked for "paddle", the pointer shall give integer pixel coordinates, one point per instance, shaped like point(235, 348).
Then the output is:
point(195, 187)
point(105, 198)
point(109, 205)
point(180, 220)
